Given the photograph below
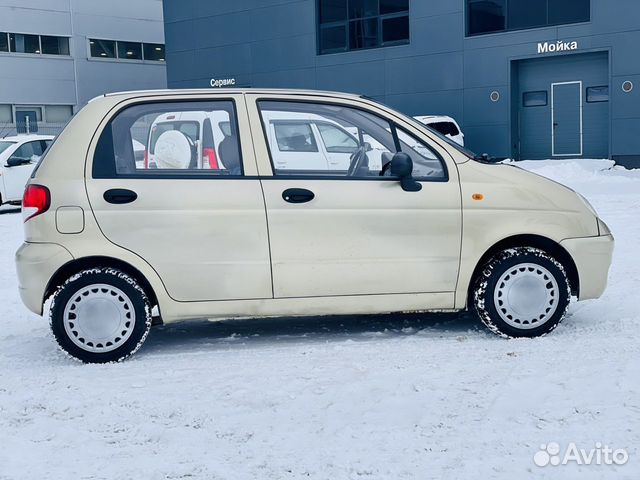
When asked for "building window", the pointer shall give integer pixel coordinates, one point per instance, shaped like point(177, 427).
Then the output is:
point(534, 99)
point(130, 50)
point(102, 48)
point(153, 52)
point(597, 94)
point(33, 44)
point(21, 43)
point(54, 45)
point(490, 16)
point(4, 42)
point(358, 24)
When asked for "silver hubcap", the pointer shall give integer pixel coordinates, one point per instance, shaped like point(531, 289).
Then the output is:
point(526, 296)
point(99, 318)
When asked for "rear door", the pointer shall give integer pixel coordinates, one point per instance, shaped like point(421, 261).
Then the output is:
point(334, 235)
point(203, 230)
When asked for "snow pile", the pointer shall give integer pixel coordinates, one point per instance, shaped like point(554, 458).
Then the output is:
point(404, 397)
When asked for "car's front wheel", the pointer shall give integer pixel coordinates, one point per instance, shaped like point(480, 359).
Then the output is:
point(100, 315)
point(522, 292)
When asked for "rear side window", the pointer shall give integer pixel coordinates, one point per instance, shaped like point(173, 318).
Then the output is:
point(170, 139)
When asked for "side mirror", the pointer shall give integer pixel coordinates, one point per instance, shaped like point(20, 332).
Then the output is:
point(367, 147)
point(16, 162)
point(402, 167)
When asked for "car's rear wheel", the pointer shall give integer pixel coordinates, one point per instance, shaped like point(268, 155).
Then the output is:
point(522, 292)
point(100, 315)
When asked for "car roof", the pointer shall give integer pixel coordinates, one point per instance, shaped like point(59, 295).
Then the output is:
point(26, 138)
point(226, 91)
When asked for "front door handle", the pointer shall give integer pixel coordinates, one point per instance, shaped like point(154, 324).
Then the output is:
point(297, 195)
point(120, 196)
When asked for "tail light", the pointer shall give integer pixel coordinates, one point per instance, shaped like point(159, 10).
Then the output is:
point(36, 200)
point(146, 159)
point(210, 155)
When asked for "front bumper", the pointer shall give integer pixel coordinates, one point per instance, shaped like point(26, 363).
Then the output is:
point(592, 256)
point(36, 263)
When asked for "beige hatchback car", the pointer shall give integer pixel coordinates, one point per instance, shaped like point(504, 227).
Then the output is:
point(430, 227)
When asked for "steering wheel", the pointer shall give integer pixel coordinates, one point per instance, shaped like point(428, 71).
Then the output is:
point(357, 160)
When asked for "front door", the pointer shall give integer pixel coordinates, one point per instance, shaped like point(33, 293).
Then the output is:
point(203, 230)
point(566, 118)
point(337, 233)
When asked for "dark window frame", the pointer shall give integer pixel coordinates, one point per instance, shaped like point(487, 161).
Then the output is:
point(143, 47)
point(347, 22)
point(594, 87)
point(546, 99)
point(107, 169)
point(507, 29)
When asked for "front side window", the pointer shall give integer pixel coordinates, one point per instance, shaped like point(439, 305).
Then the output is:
point(176, 138)
point(490, 16)
point(357, 24)
point(356, 143)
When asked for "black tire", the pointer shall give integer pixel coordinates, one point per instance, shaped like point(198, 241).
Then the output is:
point(498, 316)
point(127, 295)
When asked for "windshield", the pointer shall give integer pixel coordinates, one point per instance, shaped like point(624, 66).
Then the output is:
point(4, 145)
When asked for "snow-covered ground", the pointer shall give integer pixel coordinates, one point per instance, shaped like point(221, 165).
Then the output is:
point(416, 396)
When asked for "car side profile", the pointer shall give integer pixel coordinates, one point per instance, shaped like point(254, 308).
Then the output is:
point(18, 157)
point(108, 241)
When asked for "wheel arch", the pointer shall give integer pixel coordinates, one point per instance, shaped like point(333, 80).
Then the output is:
point(549, 246)
point(84, 263)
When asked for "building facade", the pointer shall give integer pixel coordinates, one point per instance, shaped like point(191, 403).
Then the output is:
point(55, 55)
point(525, 78)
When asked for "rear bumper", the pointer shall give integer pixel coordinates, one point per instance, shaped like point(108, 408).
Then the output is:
point(36, 263)
point(592, 256)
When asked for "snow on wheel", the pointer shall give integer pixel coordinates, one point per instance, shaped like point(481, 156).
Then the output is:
point(100, 315)
point(522, 292)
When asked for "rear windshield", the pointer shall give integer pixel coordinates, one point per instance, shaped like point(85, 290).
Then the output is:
point(445, 128)
point(190, 129)
point(4, 145)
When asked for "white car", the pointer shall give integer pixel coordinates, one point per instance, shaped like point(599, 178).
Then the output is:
point(299, 141)
point(445, 125)
point(18, 158)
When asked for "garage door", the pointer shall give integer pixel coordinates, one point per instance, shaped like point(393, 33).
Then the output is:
point(562, 109)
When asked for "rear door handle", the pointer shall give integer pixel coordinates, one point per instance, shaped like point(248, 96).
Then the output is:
point(120, 196)
point(297, 195)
